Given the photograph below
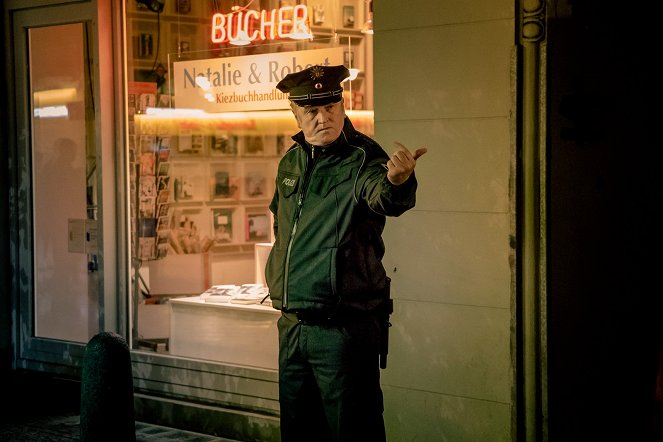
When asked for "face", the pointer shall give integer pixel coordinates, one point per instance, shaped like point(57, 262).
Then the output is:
point(321, 125)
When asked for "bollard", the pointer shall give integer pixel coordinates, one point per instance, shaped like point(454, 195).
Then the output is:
point(107, 402)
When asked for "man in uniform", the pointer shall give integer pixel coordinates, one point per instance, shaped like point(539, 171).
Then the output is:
point(334, 189)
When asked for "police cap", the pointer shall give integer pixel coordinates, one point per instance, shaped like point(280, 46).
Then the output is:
point(315, 86)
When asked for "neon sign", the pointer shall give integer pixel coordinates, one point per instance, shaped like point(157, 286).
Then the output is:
point(246, 26)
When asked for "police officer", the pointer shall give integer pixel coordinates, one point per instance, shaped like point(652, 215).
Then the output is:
point(334, 189)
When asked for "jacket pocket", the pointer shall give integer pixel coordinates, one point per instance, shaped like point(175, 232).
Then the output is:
point(321, 184)
point(274, 271)
point(287, 184)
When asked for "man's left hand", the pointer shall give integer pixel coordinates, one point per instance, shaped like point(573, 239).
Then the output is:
point(402, 163)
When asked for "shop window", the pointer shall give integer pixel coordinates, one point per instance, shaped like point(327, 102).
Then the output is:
point(206, 129)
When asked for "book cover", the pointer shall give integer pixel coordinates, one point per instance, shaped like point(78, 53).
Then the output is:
point(147, 227)
point(163, 210)
point(164, 168)
point(162, 197)
point(148, 186)
point(163, 183)
point(147, 163)
point(146, 247)
point(257, 227)
point(222, 223)
point(148, 144)
point(147, 206)
point(223, 144)
point(256, 184)
point(163, 223)
point(225, 185)
point(254, 145)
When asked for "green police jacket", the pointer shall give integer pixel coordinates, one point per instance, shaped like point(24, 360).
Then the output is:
point(329, 213)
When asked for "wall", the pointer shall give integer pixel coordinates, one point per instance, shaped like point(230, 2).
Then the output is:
point(443, 80)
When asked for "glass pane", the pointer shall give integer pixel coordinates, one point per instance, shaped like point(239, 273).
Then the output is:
point(203, 168)
point(65, 301)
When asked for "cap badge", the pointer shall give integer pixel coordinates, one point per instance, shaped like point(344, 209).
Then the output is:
point(317, 72)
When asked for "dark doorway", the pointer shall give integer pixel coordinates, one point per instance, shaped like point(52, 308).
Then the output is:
point(604, 309)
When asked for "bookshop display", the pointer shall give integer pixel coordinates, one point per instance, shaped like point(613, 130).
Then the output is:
point(200, 181)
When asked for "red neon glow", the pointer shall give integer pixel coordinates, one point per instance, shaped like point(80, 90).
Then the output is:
point(248, 26)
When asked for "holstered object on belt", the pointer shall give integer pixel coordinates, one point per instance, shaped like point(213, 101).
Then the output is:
point(384, 332)
point(385, 311)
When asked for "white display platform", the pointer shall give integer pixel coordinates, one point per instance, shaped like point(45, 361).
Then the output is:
point(236, 334)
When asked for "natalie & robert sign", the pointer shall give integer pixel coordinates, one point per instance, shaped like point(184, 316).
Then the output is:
point(245, 83)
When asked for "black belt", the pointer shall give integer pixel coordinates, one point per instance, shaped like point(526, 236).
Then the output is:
point(311, 317)
point(314, 317)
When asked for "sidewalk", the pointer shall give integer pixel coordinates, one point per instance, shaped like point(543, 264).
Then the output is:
point(47, 409)
point(43, 428)
point(66, 427)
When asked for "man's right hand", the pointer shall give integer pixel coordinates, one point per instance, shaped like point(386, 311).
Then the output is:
point(402, 163)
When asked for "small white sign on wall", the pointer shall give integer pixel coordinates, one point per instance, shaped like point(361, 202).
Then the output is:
point(246, 83)
point(82, 236)
point(76, 236)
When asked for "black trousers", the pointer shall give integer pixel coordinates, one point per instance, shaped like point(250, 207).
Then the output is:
point(329, 381)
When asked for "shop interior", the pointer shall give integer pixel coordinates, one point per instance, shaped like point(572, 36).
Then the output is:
point(201, 168)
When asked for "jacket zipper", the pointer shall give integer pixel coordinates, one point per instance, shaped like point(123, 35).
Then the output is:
point(310, 165)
